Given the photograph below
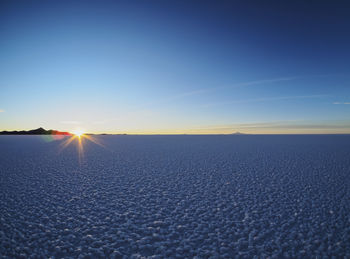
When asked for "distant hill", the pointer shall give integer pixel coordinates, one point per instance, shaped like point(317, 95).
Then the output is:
point(39, 131)
point(238, 133)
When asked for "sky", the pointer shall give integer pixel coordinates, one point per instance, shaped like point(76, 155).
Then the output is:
point(174, 67)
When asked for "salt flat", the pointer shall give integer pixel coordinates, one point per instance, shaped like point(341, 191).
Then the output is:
point(176, 197)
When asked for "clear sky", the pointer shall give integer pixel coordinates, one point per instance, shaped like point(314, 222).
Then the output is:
point(175, 66)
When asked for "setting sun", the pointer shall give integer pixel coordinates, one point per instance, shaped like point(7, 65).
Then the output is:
point(78, 132)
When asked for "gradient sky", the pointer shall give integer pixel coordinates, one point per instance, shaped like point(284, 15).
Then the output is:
point(175, 66)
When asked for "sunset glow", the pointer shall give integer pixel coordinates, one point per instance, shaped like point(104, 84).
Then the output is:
point(78, 132)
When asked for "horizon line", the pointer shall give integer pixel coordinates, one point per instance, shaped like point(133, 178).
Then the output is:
point(238, 129)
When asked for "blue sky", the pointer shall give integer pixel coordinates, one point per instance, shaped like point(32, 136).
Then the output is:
point(175, 66)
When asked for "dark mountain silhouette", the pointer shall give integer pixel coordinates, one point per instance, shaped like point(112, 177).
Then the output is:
point(39, 131)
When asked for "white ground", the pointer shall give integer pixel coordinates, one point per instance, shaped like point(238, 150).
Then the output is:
point(176, 197)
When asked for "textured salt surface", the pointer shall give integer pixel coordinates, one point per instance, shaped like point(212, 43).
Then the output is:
point(176, 197)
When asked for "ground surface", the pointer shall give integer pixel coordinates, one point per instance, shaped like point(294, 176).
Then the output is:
point(176, 196)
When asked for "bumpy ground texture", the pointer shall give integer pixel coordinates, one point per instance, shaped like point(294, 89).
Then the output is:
point(176, 197)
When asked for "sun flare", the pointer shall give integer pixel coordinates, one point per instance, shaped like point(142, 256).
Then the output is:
point(78, 132)
point(79, 138)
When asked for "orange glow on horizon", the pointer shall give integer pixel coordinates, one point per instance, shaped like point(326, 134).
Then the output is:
point(78, 132)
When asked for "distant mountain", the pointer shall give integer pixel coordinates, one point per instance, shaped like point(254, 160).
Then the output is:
point(39, 131)
point(238, 133)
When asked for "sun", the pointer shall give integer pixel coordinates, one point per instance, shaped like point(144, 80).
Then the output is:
point(78, 133)
point(79, 137)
